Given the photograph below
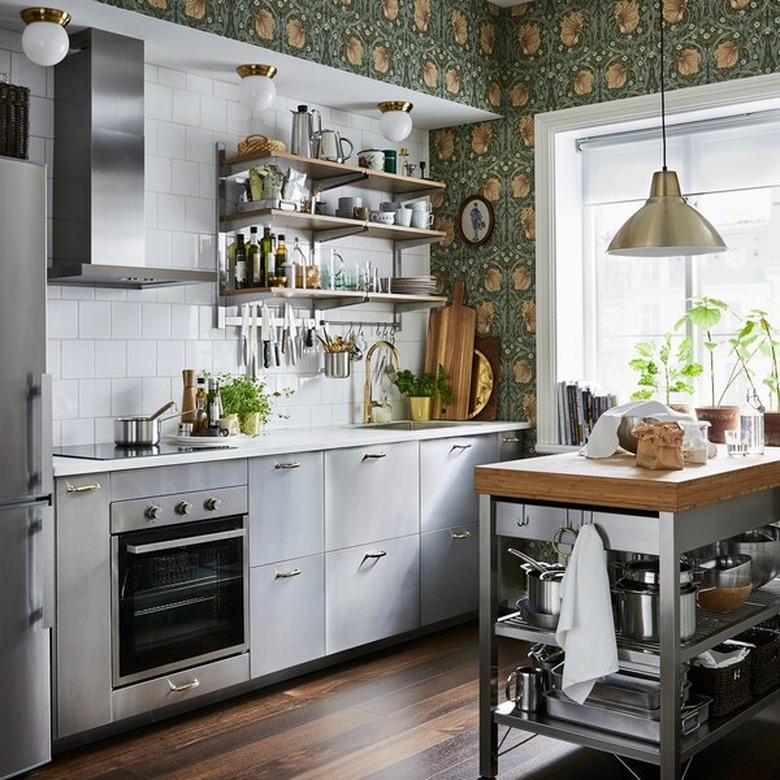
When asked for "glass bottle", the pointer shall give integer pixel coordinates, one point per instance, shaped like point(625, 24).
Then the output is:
point(751, 423)
point(299, 264)
point(281, 265)
point(201, 411)
point(213, 405)
point(267, 254)
point(241, 263)
point(254, 260)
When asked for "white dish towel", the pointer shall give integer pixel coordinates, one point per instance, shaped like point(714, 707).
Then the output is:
point(586, 627)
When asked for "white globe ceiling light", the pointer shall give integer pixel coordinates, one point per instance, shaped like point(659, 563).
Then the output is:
point(44, 40)
point(395, 124)
point(256, 89)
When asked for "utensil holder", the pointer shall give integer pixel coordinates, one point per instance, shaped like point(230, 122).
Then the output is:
point(337, 365)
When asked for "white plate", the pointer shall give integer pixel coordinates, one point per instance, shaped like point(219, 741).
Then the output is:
point(205, 441)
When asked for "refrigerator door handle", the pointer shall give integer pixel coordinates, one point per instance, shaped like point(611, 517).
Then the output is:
point(39, 433)
point(46, 561)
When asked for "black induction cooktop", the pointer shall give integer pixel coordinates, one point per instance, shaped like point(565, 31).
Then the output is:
point(109, 451)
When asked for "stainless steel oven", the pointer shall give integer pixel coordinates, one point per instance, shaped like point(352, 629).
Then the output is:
point(179, 587)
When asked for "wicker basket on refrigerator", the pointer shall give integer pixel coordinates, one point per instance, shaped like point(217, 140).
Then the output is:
point(14, 120)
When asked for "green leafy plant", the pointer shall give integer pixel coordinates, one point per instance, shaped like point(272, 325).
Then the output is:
point(242, 395)
point(664, 369)
point(758, 337)
point(425, 385)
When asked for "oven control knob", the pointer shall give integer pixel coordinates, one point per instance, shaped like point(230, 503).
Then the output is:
point(153, 512)
point(212, 504)
point(183, 508)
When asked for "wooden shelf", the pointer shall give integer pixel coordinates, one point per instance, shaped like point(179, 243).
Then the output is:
point(330, 299)
point(326, 228)
point(333, 174)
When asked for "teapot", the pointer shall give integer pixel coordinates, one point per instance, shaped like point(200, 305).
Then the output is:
point(303, 130)
point(329, 145)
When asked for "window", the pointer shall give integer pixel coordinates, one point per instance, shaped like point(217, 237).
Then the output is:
point(593, 172)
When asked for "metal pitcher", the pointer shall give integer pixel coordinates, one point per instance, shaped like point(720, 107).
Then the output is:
point(304, 128)
point(329, 145)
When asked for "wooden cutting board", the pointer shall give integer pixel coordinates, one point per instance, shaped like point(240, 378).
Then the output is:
point(490, 347)
point(451, 332)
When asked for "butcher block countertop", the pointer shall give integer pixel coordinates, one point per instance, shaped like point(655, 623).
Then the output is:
point(618, 482)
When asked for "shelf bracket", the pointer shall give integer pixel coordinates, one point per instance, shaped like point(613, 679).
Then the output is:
point(323, 185)
point(408, 243)
point(417, 194)
point(340, 232)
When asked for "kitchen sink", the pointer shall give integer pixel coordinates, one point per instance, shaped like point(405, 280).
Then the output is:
point(412, 425)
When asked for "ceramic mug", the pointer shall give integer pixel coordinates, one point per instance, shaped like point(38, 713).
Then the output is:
point(382, 217)
point(374, 159)
point(361, 212)
point(421, 219)
point(403, 216)
point(421, 205)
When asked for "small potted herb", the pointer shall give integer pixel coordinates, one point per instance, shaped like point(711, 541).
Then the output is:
point(422, 389)
point(250, 399)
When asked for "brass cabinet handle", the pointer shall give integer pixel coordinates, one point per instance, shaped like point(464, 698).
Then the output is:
point(460, 447)
point(462, 535)
point(82, 488)
point(374, 455)
point(511, 439)
point(186, 687)
point(285, 575)
point(292, 464)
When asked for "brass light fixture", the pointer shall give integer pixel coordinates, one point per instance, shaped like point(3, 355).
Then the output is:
point(44, 39)
point(666, 226)
point(256, 88)
point(395, 124)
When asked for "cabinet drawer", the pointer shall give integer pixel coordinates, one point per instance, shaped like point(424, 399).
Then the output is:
point(286, 516)
point(370, 493)
point(155, 694)
point(369, 598)
point(447, 496)
point(287, 614)
point(529, 521)
point(450, 572)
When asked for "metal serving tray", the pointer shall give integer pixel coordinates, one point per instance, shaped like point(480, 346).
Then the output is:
point(606, 718)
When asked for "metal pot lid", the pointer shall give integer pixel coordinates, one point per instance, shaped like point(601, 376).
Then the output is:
point(645, 571)
point(630, 586)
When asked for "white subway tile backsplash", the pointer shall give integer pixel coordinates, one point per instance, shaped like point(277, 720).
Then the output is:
point(142, 358)
point(127, 397)
point(94, 319)
point(186, 176)
point(186, 108)
point(126, 320)
point(158, 102)
point(171, 356)
point(172, 78)
point(158, 247)
point(110, 359)
point(94, 397)
point(159, 174)
point(172, 212)
point(199, 84)
point(62, 319)
point(171, 140)
point(200, 215)
point(213, 113)
point(155, 321)
point(78, 359)
point(199, 145)
point(77, 432)
point(65, 399)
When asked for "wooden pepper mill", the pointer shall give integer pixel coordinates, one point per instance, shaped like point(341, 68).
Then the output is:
point(188, 408)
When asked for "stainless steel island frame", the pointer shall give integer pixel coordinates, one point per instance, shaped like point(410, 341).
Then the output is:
point(653, 512)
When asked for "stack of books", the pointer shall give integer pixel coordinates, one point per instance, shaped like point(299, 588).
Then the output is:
point(578, 409)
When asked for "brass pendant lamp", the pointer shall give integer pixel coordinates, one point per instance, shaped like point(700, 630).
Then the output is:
point(666, 226)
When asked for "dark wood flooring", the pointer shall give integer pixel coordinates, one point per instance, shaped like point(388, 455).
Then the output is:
point(408, 713)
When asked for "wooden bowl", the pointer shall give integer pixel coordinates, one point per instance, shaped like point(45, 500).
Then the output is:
point(724, 599)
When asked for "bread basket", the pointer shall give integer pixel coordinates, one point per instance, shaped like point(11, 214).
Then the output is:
point(260, 144)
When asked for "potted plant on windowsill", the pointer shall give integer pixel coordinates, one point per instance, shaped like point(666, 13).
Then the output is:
point(705, 313)
point(250, 400)
point(422, 389)
point(665, 370)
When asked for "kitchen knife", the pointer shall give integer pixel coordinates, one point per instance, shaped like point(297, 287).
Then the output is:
point(244, 350)
point(274, 345)
point(266, 337)
point(292, 336)
point(253, 366)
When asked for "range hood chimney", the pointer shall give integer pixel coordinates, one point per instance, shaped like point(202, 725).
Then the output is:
point(98, 234)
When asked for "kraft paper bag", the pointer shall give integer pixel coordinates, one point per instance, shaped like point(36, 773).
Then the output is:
point(659, 445)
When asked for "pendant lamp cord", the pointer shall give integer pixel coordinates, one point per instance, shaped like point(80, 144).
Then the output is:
point(663, 90)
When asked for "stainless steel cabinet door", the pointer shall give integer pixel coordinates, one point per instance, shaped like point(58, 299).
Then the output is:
point(83, 629)
point(371, 592)
point(285, 507)
point(287, 614)
point(447, 489)
point(450, 572)
point(370, 493)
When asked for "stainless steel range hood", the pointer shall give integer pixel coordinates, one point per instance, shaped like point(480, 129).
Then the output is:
point(98, 234)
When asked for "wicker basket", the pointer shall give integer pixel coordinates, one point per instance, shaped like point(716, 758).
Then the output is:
point(260, 144)
point(729, 686)
point(14, 120)
point(764, 658)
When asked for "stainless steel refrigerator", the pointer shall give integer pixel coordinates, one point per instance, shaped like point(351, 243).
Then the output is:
point(26, 515)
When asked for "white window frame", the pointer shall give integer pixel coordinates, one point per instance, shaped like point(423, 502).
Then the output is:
point(557, 177)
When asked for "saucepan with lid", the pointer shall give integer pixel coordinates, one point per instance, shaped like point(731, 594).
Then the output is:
point(544, 584)
point(141, 431)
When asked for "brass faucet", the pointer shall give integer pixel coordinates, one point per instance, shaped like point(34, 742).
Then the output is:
point(368, 403)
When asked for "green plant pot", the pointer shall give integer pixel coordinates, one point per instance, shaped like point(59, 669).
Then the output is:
point(250, 423)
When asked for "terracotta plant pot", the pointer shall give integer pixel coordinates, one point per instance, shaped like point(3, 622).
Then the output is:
point(420, 407)
point(720, 418)
point(772, 429)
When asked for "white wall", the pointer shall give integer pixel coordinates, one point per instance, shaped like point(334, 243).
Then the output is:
point(115, 352)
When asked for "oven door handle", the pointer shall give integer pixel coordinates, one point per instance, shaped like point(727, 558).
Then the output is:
point(141, 549)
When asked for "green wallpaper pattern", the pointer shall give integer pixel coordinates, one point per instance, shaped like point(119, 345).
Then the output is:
point(541, 56)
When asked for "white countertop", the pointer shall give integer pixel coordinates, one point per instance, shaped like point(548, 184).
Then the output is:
point(285, 441)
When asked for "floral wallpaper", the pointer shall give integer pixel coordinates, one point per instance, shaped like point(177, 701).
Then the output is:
point(539, 56)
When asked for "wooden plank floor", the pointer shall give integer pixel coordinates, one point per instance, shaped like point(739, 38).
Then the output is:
point(408, 713)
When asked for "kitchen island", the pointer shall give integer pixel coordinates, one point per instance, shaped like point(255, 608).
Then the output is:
point(664, 513)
